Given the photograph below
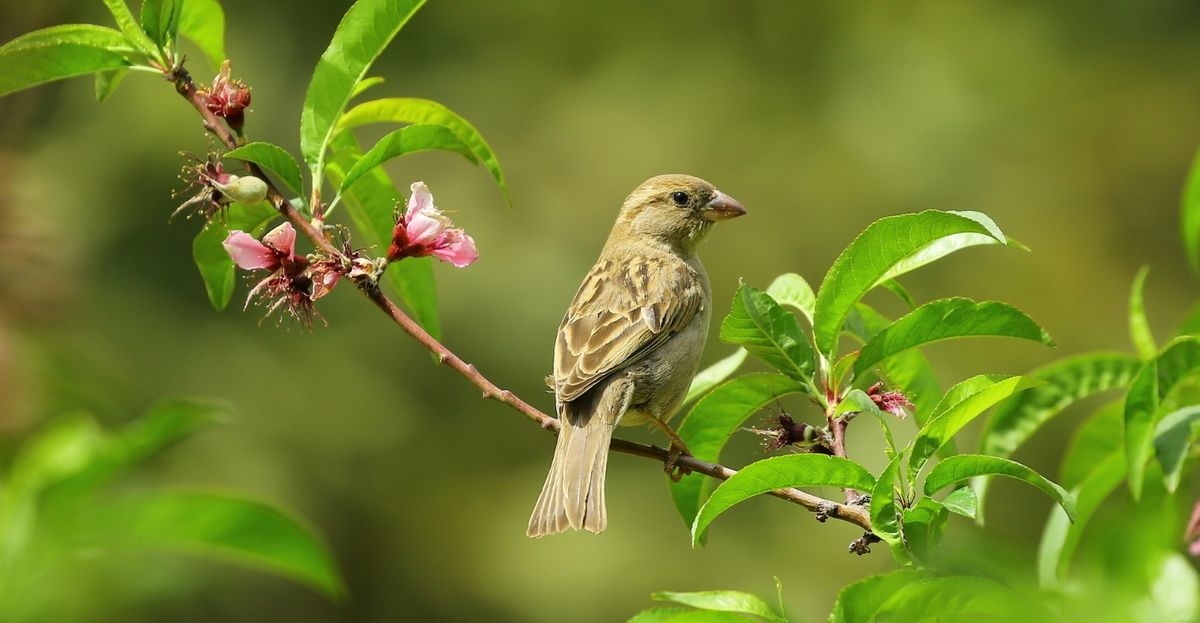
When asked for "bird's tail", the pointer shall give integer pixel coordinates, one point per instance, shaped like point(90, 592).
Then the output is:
point(573, 496)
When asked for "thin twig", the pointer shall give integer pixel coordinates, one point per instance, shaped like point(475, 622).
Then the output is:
point(824, 508)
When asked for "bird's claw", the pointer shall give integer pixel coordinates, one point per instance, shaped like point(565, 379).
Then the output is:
point(673, 470)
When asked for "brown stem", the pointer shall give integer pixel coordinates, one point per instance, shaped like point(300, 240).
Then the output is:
point(824, 508)
point(837, 427)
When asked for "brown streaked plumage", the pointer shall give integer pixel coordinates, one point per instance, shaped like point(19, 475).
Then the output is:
point(630, 342)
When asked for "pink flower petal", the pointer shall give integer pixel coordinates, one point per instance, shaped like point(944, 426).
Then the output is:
point(424, 226)
point(282, 239)
point(421, 199)
point(323, 283)
point(456, 247)
point(248, 253)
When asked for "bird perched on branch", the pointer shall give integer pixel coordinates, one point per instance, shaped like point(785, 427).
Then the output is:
point(630, 342)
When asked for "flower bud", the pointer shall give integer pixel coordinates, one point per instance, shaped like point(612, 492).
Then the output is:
point(246, 189)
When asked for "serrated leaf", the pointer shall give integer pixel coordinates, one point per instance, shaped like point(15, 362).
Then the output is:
point(858, 602)
point(1179, 360)
point(160, 20)
point(792, 290)
point(885, 517)
point(963, 403)
point(795, 470)
point(229, 528)
point(714, 419)
point(962, 501)
point(1067, 381)
point(108, 81)
point(956, 469)
point(365, 30)
point(713, 375)
point(60, 52)
point(208, 249)
point(723, 601)
point(411, 139)
point(203, 23)
point(274, 159)
point(1139, 326)
point(945, 319)
point(924, 526)
point(1174, 436)
point(888, 248)
point(427, 112)
point(1189, 215)
point(758, 324)
point(1061, 535)
point(130, 28)
point(371, 204)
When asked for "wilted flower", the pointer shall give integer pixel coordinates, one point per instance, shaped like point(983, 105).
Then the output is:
point(423, 230)
point(227, 98)
point(202, 178)
point(893, 402)
point(288, 284)
point(785, 431)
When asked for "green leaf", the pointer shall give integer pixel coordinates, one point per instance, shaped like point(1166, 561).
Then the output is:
point(888, 248)
point(714, 419)
point(1189, 215)
point(61, 449)
point(365, 30)
point(273, 158)
point(723, 601)
point(1174, 436)
point(1066, 381)
point(963, 403)
point(924, 526)
point(108, 81)
point(795, 470)
point(229, 528)
point(945, 319)
point(658, 615)
point(407, 140)
point(792, 290)
point(1093, 441)
point(1139, 326)
point(371, 204)
point(60, 52)
point(427, 112)
point(1180, 359)
point(208, 249)
point(366, 83)
point(203, 22)
point(130, 27)
point(160, 20)
point(895, 288)
point(1175, 593)
point(962, 501)
point(857, 401)
point(713, 375)
point(885, 514)
point(758, 324)
point(858, 602)
point(971, 597)
point(1061, 535)
point(955, 469)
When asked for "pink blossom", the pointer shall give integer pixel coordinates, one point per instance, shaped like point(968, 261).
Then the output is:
point(893, 402)
point(1193, 531)
point(276, 248)
point(424, 230)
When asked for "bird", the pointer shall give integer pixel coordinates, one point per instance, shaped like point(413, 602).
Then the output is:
point(630, 342)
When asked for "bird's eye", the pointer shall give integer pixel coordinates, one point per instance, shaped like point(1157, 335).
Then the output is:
point(680, 198)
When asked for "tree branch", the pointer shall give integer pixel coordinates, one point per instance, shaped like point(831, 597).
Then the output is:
point(856, 515)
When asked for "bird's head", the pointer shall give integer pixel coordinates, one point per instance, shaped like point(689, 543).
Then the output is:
point(676, 210)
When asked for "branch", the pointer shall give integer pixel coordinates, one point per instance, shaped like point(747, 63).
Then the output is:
point(824, 508)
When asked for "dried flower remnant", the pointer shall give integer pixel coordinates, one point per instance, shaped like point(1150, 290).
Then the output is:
point(424, 230)
point(227, 98)
point(288, 286)
point(893, 402)
point(784, 431)
point(213, 188)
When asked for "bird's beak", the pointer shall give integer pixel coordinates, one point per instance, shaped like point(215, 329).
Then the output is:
point(722, 208)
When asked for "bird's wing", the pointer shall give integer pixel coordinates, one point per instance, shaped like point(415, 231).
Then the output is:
point(623, 310)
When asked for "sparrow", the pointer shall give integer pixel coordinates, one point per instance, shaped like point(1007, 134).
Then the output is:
point(630, 342)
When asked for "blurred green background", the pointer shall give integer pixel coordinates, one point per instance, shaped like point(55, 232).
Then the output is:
point(1072, 124)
